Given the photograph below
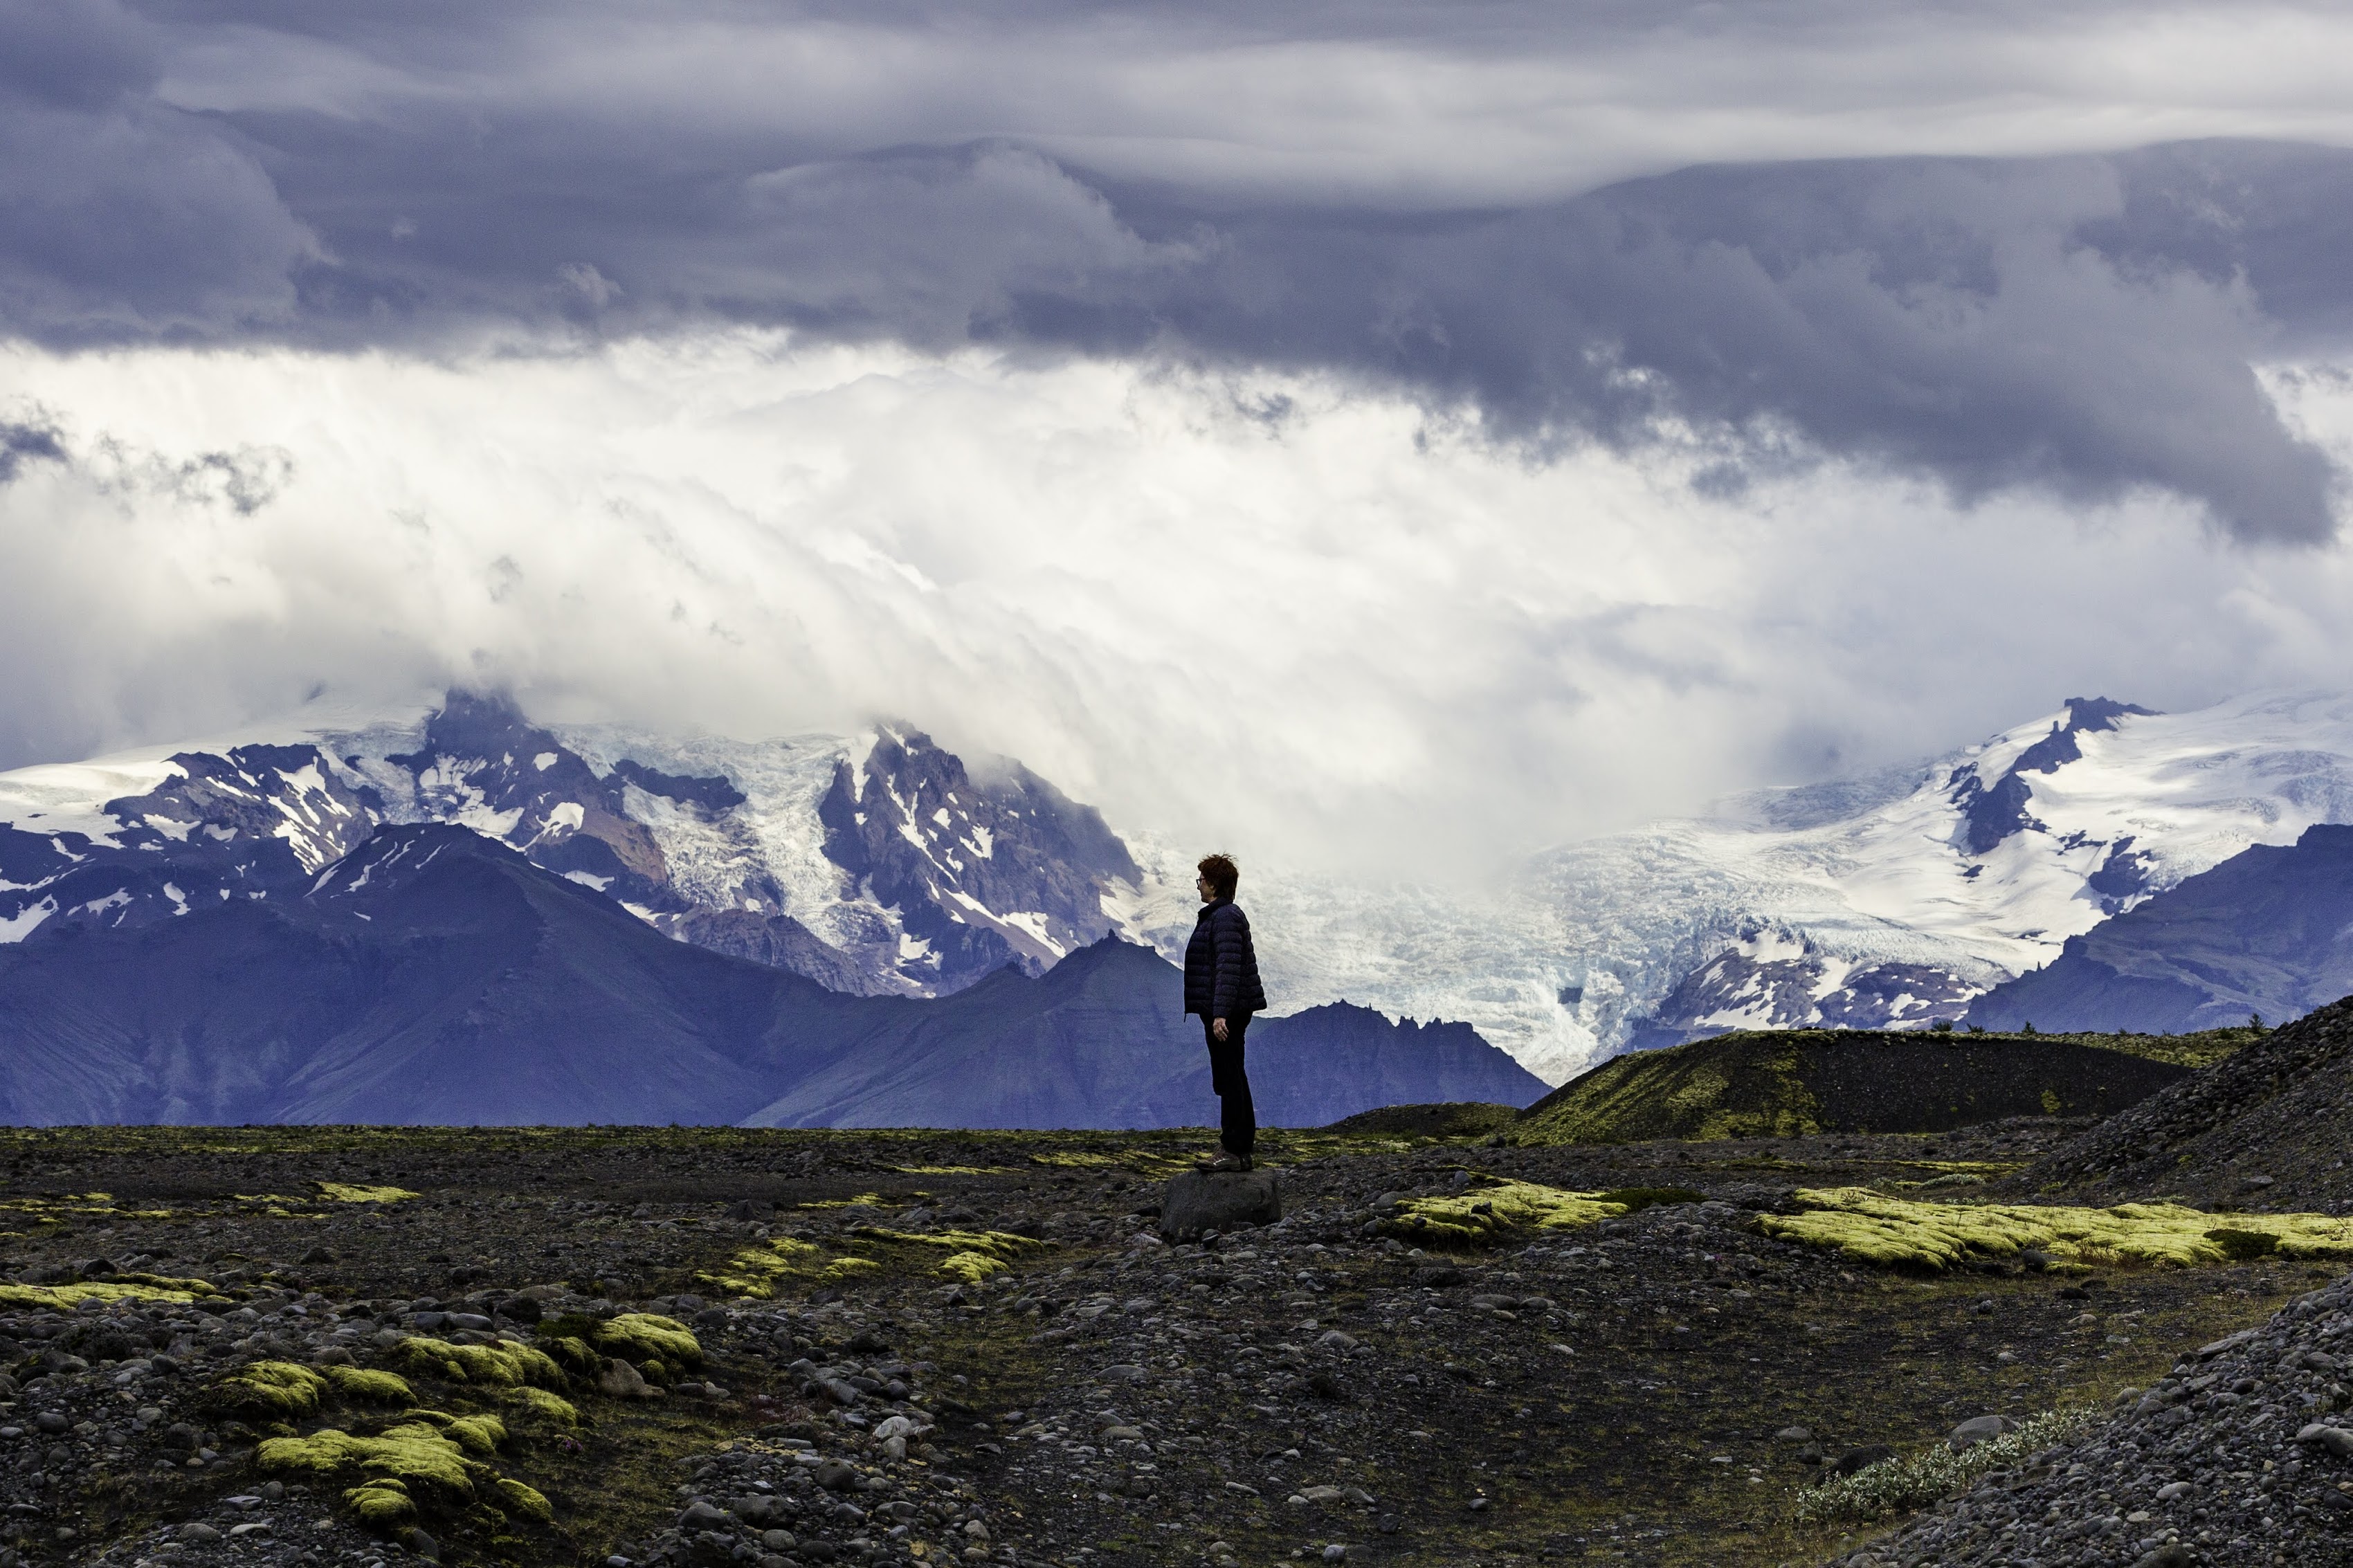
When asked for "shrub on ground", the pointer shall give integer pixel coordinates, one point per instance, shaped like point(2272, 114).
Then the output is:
point(1911, 1481)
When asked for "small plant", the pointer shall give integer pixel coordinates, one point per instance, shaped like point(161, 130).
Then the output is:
point(1915, 1480)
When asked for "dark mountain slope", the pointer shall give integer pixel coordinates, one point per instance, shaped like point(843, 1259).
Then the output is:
point(1100, 1040)
point(2266, 1127)
point(2269, 931)
point(526, 997)
point(1330, 1062)
point(432, 976)
point(435, 976)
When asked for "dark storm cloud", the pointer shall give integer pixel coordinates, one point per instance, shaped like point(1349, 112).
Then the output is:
point(24, 442)
point(2088, 324)
point(122, 217)
point(2085, 324)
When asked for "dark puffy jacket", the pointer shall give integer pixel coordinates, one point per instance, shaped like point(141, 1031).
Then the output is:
point(1220, 965)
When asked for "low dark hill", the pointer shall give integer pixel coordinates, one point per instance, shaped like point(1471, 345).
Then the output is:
point(2268, 931)
point(1757, 1084)
point(2268, 1128)
point(436, 976)
point(1458, 1119)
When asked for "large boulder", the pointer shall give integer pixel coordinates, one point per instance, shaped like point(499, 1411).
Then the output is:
point(1204, 1200)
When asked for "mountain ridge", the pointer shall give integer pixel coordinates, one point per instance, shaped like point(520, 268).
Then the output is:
point(878, 864)
point(436, 975)
point(2267, 932)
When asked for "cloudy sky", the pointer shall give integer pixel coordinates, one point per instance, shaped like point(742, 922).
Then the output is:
point(1363, 434)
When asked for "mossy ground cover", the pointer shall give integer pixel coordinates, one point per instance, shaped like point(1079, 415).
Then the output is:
point(1873, 1227)
point(1490, 1210)
point(1677, 1354)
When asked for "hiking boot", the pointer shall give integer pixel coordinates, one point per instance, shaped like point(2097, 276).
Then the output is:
point(1223, 1162)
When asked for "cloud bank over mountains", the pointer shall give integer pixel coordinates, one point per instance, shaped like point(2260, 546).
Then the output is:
point(1635, 401)
point(1409, 195)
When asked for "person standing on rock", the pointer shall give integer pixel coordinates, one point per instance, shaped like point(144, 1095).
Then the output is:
point(1221, 985)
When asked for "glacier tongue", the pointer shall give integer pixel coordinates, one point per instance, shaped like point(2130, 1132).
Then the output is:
point(1868, 894)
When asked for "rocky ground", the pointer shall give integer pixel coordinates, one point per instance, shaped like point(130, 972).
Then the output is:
point(2238, 1455)
point(910, 1347)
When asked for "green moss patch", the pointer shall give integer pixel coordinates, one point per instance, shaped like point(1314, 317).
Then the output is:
point(538, 1403)
point(366, 1387)
point(1489, 1213)
point(429, 1467)
point(571, 1350)
point(383, 1504)
point(971, 1255)
point(66, 1298)
point(478, 1434)
point(271, 1391)
point(500, 1365)
point(431, 1463)
point(643, 1337)
point(346, 1193)
point(759, 1270)
point(526, 1500)
point(1903, 1233)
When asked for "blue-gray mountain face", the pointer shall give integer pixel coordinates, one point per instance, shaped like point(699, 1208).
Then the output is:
point(2269, 931)
point(935, 878)
point(434, 975)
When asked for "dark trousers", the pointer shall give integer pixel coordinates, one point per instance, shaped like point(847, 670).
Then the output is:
point(1237, 1117)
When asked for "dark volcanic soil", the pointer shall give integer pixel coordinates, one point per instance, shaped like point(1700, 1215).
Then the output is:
point(1611, 1393)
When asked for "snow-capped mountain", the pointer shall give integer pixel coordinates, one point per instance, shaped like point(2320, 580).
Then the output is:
point(875, 864)
point(880, 864)
point(1892, 901)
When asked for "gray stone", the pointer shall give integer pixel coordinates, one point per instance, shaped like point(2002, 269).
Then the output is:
point(1201, 1200)
point(200, 1533)
point(2338, 1440)
point(1979, 1429)
point(701, 1515)
point(1793, 1435)
point(1861, 1458)
point(619, 1380)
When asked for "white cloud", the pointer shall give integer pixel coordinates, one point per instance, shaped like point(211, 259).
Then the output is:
point(1311, 624)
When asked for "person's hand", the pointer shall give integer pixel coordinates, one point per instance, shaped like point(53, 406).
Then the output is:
point(1219, 1029)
